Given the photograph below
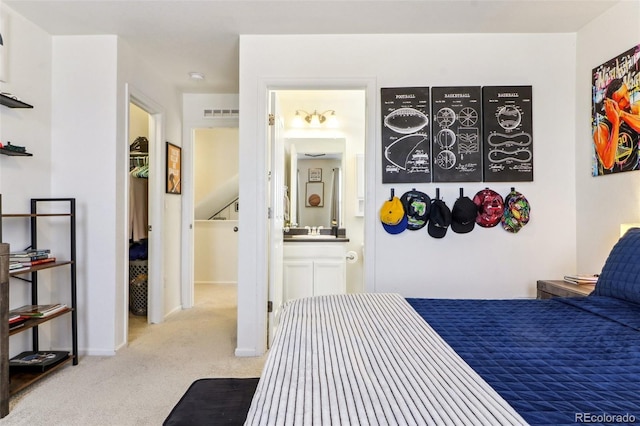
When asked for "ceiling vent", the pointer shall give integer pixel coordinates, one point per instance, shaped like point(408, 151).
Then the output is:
point(221, 113)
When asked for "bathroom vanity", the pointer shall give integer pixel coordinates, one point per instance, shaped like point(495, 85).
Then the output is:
point(314, 265)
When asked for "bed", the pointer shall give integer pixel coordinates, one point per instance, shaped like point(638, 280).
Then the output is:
point(382, 359)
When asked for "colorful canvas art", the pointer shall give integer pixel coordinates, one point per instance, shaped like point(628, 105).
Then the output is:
point(615, 114)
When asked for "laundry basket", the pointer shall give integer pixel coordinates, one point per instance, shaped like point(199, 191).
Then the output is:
point(138, 286)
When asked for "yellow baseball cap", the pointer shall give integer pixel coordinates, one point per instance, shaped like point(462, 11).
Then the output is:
point(393, 217)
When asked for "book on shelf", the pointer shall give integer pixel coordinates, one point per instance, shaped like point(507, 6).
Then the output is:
point(14, 318)
point(41, 360)
point(28, 264)
point(580, 279)
point(29, 252)
point(16, 321)
point(16, 325)
point(32, 258)
point(38, 311)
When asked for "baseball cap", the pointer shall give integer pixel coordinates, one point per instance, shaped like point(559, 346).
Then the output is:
point(516, 212)
point(439, 219)
point(490, 207)
point(416, 205)
point(392, 216)
point(463, 215)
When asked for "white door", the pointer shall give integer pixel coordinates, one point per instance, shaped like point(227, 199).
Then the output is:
point(276, 221)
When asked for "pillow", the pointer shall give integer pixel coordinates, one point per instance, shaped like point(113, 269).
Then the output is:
point(620, 277)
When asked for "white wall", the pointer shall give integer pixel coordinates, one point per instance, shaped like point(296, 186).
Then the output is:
point(84, 126)
point(603, 202)
point(496, 264)
point(28, 51)
point(90, 162)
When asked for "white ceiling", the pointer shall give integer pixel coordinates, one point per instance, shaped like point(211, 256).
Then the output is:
point(180, 36)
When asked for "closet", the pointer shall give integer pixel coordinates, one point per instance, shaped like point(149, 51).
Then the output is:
point(138, 212)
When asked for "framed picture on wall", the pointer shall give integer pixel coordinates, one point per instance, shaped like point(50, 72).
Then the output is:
point(315, 175)
point(174, 172)
point(314, 194)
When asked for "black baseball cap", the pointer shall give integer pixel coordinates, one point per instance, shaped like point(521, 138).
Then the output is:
point(439, 219)
point(463, 215)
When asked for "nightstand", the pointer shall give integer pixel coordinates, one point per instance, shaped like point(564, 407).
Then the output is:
point(559, 288)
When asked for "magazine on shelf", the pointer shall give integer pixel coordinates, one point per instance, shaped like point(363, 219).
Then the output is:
point(580, 279)
point(38, 311)
point(41, 360)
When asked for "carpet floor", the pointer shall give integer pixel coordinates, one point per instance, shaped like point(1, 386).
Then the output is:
point(214, 402)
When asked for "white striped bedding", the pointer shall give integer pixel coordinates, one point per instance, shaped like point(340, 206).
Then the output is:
point(368, 359)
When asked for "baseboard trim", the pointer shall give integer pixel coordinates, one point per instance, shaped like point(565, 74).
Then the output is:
point(246, 352)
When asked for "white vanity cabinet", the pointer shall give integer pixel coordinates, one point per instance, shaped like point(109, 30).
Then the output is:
point(314, 269)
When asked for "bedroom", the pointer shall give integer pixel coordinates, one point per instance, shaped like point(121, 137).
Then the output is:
point(562, 193)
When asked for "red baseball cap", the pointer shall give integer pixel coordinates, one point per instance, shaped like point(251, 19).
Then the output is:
point(490, 207)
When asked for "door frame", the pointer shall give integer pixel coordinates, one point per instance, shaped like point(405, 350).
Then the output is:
point(260, 290)
point(155, 299)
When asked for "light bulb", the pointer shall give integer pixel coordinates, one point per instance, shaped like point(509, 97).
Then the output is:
point(315, 120)
point(332, 120)
point(297, 121)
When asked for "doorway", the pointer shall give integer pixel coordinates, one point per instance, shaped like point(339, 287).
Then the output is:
point(139, 169)
point(347, 108)
point(150, 116)
point(216, 208)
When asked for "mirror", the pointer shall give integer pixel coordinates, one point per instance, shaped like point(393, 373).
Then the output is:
point(315, 181)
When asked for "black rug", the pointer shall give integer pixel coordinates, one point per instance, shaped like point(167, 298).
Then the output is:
point(214, 402)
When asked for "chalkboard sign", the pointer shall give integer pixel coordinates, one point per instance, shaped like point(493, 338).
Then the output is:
point(456, 134)
point(406, 156)
point(508, 137)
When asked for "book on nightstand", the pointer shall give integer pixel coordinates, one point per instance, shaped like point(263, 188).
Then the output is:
point(580, 279)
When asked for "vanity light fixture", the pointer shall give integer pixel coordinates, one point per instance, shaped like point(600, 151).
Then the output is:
point(315, 119)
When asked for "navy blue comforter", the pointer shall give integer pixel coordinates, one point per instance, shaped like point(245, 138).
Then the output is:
point(556, 361)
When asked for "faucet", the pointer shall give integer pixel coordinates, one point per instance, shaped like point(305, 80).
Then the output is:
point(308, 230)
point(320, 228)
point(314, 231)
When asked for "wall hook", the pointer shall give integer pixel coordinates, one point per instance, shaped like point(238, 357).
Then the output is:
point(393, 193)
